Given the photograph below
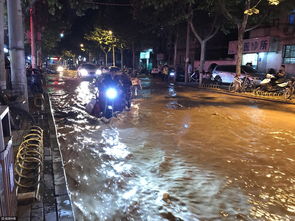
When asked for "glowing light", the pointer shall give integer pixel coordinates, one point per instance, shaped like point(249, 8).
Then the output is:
point(83, 72)
point(98, 72)
point(60, 69)
point(111, 93)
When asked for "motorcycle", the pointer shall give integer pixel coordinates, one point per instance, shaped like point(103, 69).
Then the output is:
point(272, 84)
point(112, 102)
point(171, 76)
point(107, 103)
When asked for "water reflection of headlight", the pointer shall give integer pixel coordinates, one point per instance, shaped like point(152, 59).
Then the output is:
point(84, 72)
point(98, 72)
point(60, 69)
point(111, 93)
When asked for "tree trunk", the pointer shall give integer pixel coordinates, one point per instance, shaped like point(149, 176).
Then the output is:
point(114, 57)
point(175, 50)
point(33, 40)
point(241, 32)
point(17, 55)
point(133, 55)
point(122, 58)
point(106, 57)
point(202, 60)
point(2, 55)
point(187, 49)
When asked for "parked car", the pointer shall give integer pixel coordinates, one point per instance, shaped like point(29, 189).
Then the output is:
point(226, 73)
point(88, 70)
point(155, 71)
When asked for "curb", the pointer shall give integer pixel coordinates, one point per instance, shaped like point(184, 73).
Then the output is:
point(62, 196)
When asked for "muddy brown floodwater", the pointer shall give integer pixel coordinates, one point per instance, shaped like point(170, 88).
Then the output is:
point(179, 154)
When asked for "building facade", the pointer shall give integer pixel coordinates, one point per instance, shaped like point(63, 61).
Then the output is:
point(270, 46)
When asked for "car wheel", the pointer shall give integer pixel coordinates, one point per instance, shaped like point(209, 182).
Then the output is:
point(218, 79)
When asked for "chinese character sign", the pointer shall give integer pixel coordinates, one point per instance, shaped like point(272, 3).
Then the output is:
point(253, 45)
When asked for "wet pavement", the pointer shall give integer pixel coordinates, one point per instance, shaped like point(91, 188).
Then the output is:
point(178, 154)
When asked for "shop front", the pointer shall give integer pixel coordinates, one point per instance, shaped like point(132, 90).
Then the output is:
point(262, 53)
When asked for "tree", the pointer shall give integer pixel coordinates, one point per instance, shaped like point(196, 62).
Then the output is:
point(164, 19)
point(204, 32)
point(238, 13)
point(106, 40)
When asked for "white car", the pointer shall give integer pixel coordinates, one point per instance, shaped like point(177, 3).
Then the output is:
point(227, 73)
point(87, 70)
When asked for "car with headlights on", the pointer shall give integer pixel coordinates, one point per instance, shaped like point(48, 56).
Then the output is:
point(88, 70)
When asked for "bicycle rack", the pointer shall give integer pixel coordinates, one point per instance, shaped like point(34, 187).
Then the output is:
point(210, 86)
point(29, 164)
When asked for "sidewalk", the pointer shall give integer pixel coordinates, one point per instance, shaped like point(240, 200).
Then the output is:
point(224, 89)
point(55, 203)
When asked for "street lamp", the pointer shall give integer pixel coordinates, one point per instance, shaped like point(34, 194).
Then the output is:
point(61, 35)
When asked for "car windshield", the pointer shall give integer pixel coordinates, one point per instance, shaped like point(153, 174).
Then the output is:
point(249, 69)
point(88, 66)
point(226, 68)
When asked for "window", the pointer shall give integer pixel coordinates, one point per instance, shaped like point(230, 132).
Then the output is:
point(289, 54)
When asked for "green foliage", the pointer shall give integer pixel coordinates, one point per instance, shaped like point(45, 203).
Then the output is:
point(105, 39)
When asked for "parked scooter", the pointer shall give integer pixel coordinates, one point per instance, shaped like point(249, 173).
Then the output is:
point(273, 84)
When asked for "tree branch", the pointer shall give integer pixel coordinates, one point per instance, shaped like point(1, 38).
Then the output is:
point(194, 31)
point(227, 13)
point(213, 34)
point(258, 24)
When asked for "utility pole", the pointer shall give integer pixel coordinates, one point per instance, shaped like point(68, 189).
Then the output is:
point(17, 54)
point(2, 56)
point(33, 40)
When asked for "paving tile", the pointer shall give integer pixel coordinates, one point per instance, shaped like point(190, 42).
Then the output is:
point(23, 211)
point(64, 208)
point(37, 214)
point(48, 181)
point(51, 216)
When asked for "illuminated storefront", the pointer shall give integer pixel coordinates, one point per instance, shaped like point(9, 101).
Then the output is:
point(262, 53)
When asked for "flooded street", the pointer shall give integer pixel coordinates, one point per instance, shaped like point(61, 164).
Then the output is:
point(179, 154)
